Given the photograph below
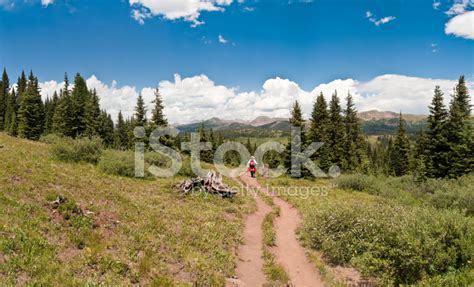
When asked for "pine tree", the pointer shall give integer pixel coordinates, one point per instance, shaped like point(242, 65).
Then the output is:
point(31, 111)
point(157, 117)
point(296, 142)
point(353, 138)
point(248, 146)
point(21, 87)
point(319, 131)
point(336, 132)
point(4, 91)
point(140, 112)
point(437, 148)
point(79, 97)
point(63, 114)
point(121, 139)
point(400, 153)
point(420, 156)
point(460, 133)
point(105, 128)
point(94, 121)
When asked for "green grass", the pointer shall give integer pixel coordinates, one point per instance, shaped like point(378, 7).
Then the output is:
point(113, 230)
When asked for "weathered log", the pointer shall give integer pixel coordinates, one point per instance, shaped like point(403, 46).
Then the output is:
point(212, 183)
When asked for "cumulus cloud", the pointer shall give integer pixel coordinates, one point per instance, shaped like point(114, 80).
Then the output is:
point(187, 10)
point(461, 25)
point(198, 98)
point(377, 22)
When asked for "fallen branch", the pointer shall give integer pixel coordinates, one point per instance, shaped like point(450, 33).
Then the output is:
point(212, 183)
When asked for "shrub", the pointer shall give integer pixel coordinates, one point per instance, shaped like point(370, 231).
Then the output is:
point(398, 244)
point(78, 150)
point(357, 182)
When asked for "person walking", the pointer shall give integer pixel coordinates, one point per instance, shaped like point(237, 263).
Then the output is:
point(252, 166)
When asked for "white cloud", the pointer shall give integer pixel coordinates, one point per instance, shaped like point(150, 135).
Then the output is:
point(459, 7)
point(198, 98)
point(436, 5)
point(461, 26)
point(377, 22)
point(187, 10)
point(222, 40)
point(46, 2)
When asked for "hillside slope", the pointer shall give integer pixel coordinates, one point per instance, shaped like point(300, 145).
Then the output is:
point(111, 230)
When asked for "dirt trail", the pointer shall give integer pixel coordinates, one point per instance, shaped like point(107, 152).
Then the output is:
point(288, 251)
point(249, 269)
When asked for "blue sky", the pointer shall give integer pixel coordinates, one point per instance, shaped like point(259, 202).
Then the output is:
point(140, 43)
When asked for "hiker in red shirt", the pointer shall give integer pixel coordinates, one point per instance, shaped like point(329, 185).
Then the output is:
point(252, 166)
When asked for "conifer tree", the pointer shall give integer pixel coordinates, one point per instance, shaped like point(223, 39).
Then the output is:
point(121, 139)
point(420, 156)
point(4, 91)
point(336, 132)
point(93, 117)
point(319, 124)
point(248, 146)
point(436, 160)
point(31, 111)
point(105, 128)
point(140, 112)
point(296, 142)
point(63, 114)
point(400, 153)
point(79, 97)
point(157, 117)
point(460, 133)
point(353, 139)
point(21, 87)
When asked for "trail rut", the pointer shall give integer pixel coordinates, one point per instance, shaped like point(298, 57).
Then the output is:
point(288, 251)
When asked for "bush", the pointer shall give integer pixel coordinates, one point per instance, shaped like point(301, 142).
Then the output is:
point(78, 150)
point(398, 244)
point(357, 182)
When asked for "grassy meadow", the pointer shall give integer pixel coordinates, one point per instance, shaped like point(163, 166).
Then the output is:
point(111, 230)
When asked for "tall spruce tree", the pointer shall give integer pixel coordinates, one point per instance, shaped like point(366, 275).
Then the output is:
point(80, 95)
point(63, 114)
point(296, 142)
point(31, 111)
point(437, 147)
point(400, 153)
point(157, 117)
point(94, 119)
point(4, 95)
point(336, 132)
point(460, 133)
point(319, 124)
point(353, 138)
point(140, 112)
point(105, 128)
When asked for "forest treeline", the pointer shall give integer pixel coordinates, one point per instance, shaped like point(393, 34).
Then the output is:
point(444, 149)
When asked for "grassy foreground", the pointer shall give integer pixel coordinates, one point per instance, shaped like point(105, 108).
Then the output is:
point(112, 230)
point(390, 240)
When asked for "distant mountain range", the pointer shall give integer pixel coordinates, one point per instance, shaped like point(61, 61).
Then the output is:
point(373, 122)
